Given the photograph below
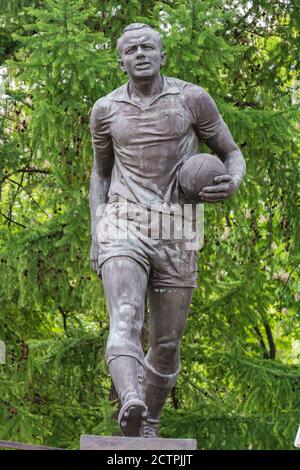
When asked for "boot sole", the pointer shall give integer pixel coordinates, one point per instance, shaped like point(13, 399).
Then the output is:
point(131, 416)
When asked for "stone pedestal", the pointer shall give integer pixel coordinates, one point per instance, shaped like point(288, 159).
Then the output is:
point(134, 443)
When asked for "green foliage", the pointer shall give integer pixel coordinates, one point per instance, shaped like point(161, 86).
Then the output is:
point(239, 386)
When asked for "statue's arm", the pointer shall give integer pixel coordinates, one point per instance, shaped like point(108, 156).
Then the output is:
point(101, 171)
point(211, 128)
point(225, 147)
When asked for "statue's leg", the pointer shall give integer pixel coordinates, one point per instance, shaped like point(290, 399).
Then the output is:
point(169, 307)
point(125, 285)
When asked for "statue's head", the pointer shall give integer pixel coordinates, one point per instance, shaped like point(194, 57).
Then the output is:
point(140, 50)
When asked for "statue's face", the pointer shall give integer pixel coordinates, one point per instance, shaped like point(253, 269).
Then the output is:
point(141, 55)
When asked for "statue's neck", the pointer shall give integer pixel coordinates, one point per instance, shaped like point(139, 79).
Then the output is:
point(145, 90)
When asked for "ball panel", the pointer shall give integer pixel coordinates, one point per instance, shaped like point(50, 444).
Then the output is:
point(198, 172)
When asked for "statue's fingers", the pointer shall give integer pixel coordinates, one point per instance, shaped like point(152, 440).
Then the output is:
point(221, 188)
point(219, 179)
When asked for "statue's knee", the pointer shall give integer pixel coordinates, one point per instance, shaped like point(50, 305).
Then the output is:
point(129, 320)
point(166, 350)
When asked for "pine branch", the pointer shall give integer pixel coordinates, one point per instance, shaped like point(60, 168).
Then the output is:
point(19, 184)
point(42, 171)
point(29, 194)
point(64, 317)
point(272, 353)
point(12, 220)
point(262, 343)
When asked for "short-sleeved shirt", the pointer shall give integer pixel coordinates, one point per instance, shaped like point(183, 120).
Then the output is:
point(150, 143)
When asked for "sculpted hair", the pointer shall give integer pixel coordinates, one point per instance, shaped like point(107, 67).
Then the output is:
point(135, 26)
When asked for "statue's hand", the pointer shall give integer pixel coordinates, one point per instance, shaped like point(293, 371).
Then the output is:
point(217, 193)
point(94, 253)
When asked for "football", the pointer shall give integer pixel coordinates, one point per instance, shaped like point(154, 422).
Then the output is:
point(198, 172)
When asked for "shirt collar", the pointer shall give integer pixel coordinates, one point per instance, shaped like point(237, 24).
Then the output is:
point(123, 94)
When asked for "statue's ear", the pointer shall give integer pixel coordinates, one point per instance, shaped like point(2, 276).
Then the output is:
point(163, 56)
point(122, 66)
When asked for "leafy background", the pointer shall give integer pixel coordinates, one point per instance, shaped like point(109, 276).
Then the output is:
point(240, 381)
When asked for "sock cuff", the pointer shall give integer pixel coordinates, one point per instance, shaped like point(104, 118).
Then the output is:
point(154, 377)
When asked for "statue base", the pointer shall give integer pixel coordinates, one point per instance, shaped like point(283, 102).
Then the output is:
point(90, 442)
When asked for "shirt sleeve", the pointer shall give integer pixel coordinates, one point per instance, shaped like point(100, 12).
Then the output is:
point(207, 120)
point(101, 138)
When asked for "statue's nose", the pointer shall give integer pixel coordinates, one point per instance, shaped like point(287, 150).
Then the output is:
point(140, 51)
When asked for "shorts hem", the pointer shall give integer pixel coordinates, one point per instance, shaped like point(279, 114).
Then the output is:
point(100, 265)
point(172, 284)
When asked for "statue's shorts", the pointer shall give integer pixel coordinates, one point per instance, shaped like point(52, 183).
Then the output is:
point(168, 262)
